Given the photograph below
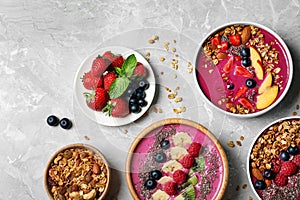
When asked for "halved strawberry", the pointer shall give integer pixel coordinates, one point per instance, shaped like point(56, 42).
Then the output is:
point(235, 40)
point(242, 71)
point(216, 40)
point(246, 103)
point(228, 66)
point(224, 46)
point(241, 92)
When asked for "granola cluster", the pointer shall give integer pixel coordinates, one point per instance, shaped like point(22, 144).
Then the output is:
point(77, 174)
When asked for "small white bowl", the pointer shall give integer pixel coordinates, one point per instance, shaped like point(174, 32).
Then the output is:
point(217, 101)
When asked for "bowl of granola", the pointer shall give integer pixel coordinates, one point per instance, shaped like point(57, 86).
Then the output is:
point(274, 160)
point(77, 171)
point(243, 69)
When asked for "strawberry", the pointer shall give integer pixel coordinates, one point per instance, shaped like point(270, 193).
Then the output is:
point(114, 60)
point(170, 187)
point(194, 149)
point(246, 103)
point(109, 56)
point(187, 161)
point(288, 168)
point(296, 160)
point(242, 71)
point(242, 90)
point(235, 40)
point(91, 82)
point(116, 108)
point(216, 40)
point(97, 99)
point(118, 62)
point(99, 66)
point(281, 180)
point(179, 177)
point(224, 46)
point(108, 79)
point(228, 66)
point(140, 70)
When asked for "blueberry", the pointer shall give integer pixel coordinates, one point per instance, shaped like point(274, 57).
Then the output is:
point(160, 157)
point(268, 174)
point(52, 120)
point(165, 144)
point(142, 102)
point(129, 91)
point(230, 86)
point(65, 123)
point(284, 155)
point(134, 108)
point(246, 62)
point(140, 94)
point(133, 100)
point(250, 83)
point(260, 185)
point(156, 174)
point(150, 184)
point(293, 150)
point(245, 52)
point(144, 84)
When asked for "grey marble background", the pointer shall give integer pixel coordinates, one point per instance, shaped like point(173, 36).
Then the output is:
point(42, 44)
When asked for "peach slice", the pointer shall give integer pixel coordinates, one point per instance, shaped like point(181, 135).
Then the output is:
point(267, 97)
point(256, 63)
point(266, 83)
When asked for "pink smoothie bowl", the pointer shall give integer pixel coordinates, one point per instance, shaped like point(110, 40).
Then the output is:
point(243, 69)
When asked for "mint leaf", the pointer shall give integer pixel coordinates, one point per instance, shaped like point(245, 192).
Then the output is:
point(119, 71)
point(118, 87)
point(129, 65)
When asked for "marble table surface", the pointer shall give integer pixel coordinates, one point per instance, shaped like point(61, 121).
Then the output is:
point(42, 44)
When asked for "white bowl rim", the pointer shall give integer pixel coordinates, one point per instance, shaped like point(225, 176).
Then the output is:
point(253, 143)
point(289, 57)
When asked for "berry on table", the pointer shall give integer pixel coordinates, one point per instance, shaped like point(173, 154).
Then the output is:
point(52, 120)
point(65, 123)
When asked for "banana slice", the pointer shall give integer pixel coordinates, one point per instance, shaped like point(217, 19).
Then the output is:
point(181, 139)
point(160, 195)
point(171, 166)
point(164, 179)
point(177, 152)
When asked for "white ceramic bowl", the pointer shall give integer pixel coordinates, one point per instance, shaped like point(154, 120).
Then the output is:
point(208, 84)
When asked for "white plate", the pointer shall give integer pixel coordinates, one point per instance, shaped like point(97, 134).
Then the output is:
point(100, 117)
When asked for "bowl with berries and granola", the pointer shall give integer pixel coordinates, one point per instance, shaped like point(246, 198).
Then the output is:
point(77, 171)
point(274, 160)
point(176, 159)
point(243, 69)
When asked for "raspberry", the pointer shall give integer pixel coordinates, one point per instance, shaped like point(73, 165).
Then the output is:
point(288, 168)
point(280, 180)
point(296, 160)
point(276, 168)
point(187, 161)
point(179, 177)
point(170, 187)
point(194, 149)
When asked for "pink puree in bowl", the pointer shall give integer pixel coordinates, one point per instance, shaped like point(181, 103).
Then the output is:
point(214, 87)
point(209, 150)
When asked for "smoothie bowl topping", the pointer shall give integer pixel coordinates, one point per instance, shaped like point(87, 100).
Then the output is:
point(243, 69)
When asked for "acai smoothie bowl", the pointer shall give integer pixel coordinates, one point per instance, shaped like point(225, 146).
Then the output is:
point(243, 69)
point(274, 161)
point(176, 159)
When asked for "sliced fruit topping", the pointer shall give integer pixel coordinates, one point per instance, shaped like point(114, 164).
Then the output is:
point(52, 120)
point(150, 184)
point(228, 66)
point(200, 164)
point(267, 97)
point(284, 155)
point(181, 139)
point(216, 40)
point(260, 185)
point(250, 83)
point(256, 63)
point(171, 166)
point(235, 40)
point(293, 150)
point(170, 188)
point(187, 161)
point(194, 149)
point(246, 103)
point(164, 179)
point(160, 195)
point(245, 52)
point(241, 91)
point(179, 176)
point(65, 123)
point(165, 144)
point(224, 45)
point(177, 152)
point(188, 194)
point(160, 157)
point(242, 71)
point(191, 181)
point(156, 174)
point(266, 83)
